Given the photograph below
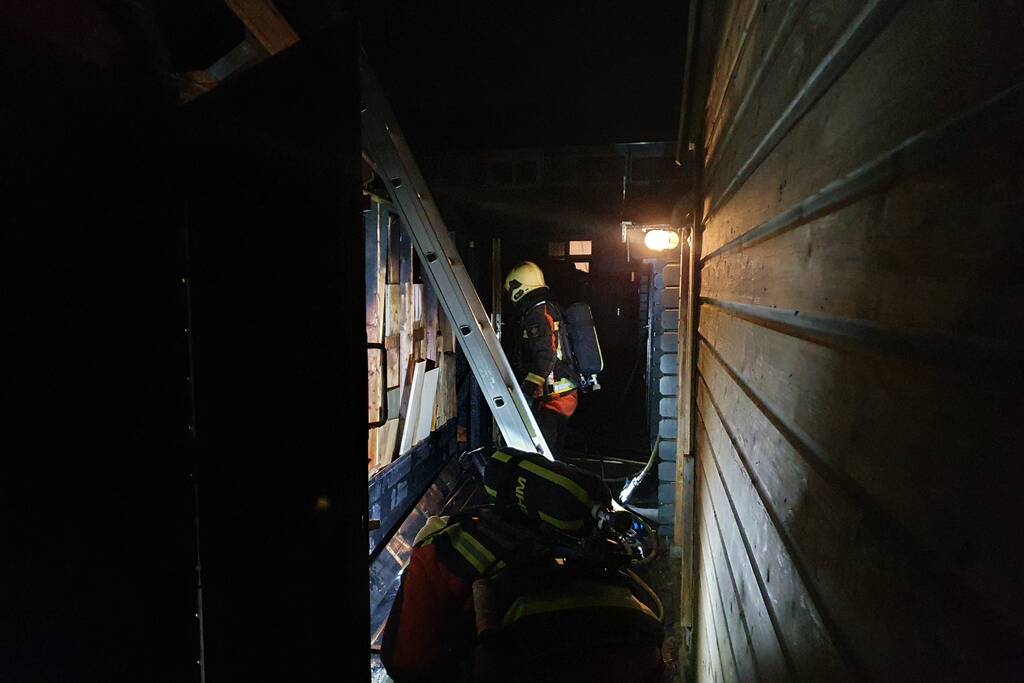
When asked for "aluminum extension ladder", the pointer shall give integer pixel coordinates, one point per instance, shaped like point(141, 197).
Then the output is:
point(387, 150)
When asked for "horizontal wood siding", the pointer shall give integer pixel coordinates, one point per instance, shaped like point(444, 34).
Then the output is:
point(859, 340)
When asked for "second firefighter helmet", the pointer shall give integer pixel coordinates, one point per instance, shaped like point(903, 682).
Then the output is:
point(523, 279)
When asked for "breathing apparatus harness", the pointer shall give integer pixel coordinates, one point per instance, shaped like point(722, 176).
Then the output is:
point(579, 351)
point(550, 530)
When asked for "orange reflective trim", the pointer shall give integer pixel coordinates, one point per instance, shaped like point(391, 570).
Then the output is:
point(552, 328)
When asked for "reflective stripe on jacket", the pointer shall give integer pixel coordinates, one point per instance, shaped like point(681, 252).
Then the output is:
point(430, 629)
point(431, 624)
point(546, 360)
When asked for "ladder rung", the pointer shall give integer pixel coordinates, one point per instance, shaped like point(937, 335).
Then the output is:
point(443, 268)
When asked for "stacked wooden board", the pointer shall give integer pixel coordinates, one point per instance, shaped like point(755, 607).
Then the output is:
point(411, 389)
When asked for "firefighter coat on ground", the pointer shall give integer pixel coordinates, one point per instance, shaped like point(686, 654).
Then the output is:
point(556, 625)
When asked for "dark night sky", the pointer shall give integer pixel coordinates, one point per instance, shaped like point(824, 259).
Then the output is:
point(480, 74)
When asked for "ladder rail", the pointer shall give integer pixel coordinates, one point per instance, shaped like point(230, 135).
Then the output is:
point(444, 269)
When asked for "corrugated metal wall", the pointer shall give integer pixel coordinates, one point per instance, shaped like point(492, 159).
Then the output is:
point(859, 338)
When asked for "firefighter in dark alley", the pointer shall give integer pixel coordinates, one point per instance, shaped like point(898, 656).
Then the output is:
point(545, 367)
point(535, 586)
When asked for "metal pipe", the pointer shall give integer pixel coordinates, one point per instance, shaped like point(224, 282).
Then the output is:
point(628, 489)
point(691, 36)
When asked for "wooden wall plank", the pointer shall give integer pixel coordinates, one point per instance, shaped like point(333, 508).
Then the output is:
point(265, 23)
point(418, 305)
point(417, 301)
point(716, 557)
point(428, 401)
point(830, 451)
point(372, 457)
point(393, 340)
point(856, 553)
point(387, 441)
point(373, 385)
point(393, 309)
point(376, 265)
point(405, 256)
point(790, 606)
point(739, 17)
point(411, 405)
point(722, 617)
point(445, 409)
point(699, 637)
point(783, 621)
point(739, 29)
point(726, 662)
point(411, 329)
point(810, 40)
point(850, 263)
point(447, 344)
point(919, 93)
point(769, 33)
point(450, 384)
point(375, 269)
point(430, 324)
point(394, 271)
point(406, 354)
point(406, 315)
point(391, 345)
point(440, 404)
point(712, 655)
point(868, 397)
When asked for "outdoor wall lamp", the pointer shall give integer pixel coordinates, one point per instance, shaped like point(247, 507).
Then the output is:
point(661, 240)
point(658, 237)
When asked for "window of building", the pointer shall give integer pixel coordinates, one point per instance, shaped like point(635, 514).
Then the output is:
point(577, 252)
point(580, 248)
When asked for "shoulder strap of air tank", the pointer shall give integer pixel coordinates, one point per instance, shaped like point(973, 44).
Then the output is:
point(533, 306)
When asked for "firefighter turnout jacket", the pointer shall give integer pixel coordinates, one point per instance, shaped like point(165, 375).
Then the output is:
point(554, 621)
point(549, 375)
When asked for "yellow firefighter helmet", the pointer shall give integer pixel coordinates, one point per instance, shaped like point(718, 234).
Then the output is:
point(524, 278)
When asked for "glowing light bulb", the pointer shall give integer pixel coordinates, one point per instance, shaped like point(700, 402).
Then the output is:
point(661, 240)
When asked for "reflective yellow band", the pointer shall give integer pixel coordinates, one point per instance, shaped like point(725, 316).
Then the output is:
point(563, 385)
point(473, 551)
point(469, 551)
point(478, 546)
point(559, 524)
point(583, 596)
point(490, 491)
point(535, 379)
point(501, 457)
point(566, 483)
point(430, 529)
